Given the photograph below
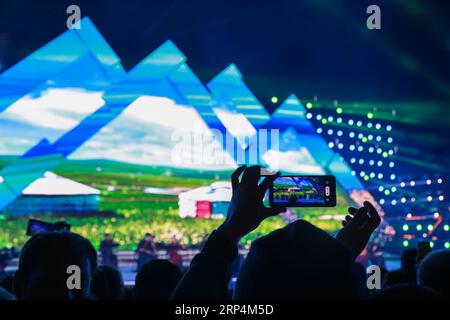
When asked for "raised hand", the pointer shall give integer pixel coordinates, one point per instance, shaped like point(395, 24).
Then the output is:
point(358, 227)
point(246, 209)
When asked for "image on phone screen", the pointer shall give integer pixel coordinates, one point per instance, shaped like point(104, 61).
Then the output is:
point(303, 191)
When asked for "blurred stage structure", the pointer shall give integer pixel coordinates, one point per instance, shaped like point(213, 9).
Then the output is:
point(361, 150)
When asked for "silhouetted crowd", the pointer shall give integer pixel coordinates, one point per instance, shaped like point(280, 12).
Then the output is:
point(298, 261)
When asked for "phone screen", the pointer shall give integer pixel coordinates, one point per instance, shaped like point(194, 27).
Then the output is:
point(303, 191)
point(38, 227)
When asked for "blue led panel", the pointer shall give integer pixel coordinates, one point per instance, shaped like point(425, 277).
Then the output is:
point(43, 67)
point(230, 92)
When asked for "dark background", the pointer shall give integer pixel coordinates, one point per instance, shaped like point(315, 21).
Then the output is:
point(310, 48)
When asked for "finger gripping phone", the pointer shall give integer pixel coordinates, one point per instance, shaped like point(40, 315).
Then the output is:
point(303, 191)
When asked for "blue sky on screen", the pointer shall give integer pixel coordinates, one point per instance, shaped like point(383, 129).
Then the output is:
point(155, 131)
point(48, 115)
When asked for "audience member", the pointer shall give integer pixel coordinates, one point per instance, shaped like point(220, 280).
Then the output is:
point(407, 271)
point(44, 262)
point(405, 291)
point(107, 284)
point(297, 261)
point(156, 280)
point(434, 272)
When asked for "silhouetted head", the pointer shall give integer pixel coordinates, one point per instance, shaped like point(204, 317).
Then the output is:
point(405, 291)
point(361, 269)
point(299, 261)
point(49, 265)
point(148, 237)
point(434, 272)
point(107, 284)
point(108, 236)
point(156, 280)
point(408, 260)
point(6, 281)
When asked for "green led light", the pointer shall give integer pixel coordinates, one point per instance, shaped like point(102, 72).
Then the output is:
point(309, 105)
point(274, 99)
point(405, 227)
point(431, 244)
point(370, 115)
point(339, 110)
point(324, 121)
point(405, 243)
point(364, 139)
point(447, 245)
point(446, 227)
point(366, 177)
point(385, 154)
point(430, 227)
point(387, 192)
point(419, 227)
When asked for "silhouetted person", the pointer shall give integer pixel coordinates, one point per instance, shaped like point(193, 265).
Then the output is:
point(210, 270)
point(173, 250)
point(107, 284)
point(237, 263)
point(156, 280)
point(299, 261)
point(405, 291)
point(407, 271)
point(146, 251)
point(434, 272)
point(44, 262)
point(106, 250)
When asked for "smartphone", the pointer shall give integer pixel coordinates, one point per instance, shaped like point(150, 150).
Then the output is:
point(303, 191)
point(37, 227)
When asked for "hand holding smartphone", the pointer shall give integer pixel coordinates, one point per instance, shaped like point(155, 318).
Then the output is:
point(303, 191)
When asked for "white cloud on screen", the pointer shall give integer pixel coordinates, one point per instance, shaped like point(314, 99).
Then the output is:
point(144, 134)
point(49, 115)
point(237, 124)
point(55, 108)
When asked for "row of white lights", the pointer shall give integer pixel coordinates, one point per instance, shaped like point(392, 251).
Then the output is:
point(413, 199)
point(352, 147)
point(412, 183)
point(350, 122)
point(352, 134)
point(435, 215)
point(372, 175)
